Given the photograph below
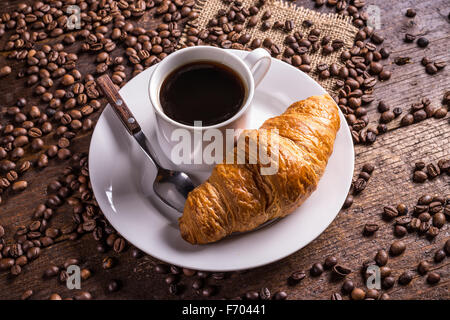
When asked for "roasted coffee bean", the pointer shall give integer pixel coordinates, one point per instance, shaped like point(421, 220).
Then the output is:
point(6, 263)
point(341, 271)
point(440, 113)
point(33, 253)
point(381, 258)
point(419, 176)
point(347, 286)
point(447, 247)
point(109, 262)
point(433, 278)
point(397, 248)
point(161, 268)
point(405, 278)
point(51, 271)
point(82, 295)
point(336, 296)
point(136, 253)
point(171, 278)
point(280, 295)
point(370, 228)
point(55, 296)
point(423, 267)
point(410, 13)
point(264, 294)
point(267, 42)
point(424, 217)
point(385, 272)
point(296, 277)
point(330, 262)
point(70, 261)
point(389, 212)
point(402, 209)
point(256, 43)
point(27, 294)
point(385, 53)
point(316, 269)
point(440, 65)
point(439, 220)
point(432, 232)
point(400, 231)
point(67, 80)
point(431, 68)
point(409, 37)
point(348, 202)
point(387, 117)
point(119, 245)
point(208, 291)
point(359, 185)
point(113, 286)
point(197, 284)
point(252, 295)
point(439, 256)
point(358, 294)
point(372, 294)
point(19, 186)
point(432, 171)
point(388, 282)
point(85, 274)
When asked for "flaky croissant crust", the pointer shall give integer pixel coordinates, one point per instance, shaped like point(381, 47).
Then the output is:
point(237, 198)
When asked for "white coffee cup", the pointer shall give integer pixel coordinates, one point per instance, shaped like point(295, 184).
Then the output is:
point(251, 70)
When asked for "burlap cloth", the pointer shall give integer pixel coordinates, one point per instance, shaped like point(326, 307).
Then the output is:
point(334, 25)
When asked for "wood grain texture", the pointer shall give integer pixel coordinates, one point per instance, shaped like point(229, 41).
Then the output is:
point(393, 154)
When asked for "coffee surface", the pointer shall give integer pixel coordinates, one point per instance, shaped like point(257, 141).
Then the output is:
point(202, 91)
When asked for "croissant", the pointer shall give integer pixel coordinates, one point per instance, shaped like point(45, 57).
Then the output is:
point(237, 197)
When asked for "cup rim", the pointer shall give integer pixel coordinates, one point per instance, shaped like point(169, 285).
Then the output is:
point(251, 88)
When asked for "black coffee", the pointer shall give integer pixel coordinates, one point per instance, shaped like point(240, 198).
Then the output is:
point(202, 91)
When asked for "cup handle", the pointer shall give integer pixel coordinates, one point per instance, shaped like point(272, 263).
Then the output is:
point(259, 70)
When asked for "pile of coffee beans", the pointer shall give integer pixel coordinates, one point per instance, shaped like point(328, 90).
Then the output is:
point(427, 217)
point(66, 103)
point(422, 110)
point(348, 8)
point(424, 172)
point(356, 81)
point(433, 67)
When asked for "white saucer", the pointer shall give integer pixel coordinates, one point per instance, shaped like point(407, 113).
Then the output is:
point(122, 180)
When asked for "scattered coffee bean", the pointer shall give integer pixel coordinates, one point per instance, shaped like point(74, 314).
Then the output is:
point(388, 282)
point(113, 286)
point(410, 13)
point(296, 277)
point(347, 286)
point(423, 267)
point(336, 296)
point(280, 295)
point(381, 258)
point(341, 271)
point(370, 228)
point(358, 294)
point(433, 278)
point(405, 278)
point(397, 248)
point(439, 256)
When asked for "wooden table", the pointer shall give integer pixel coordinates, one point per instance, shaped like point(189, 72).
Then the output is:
point(393, 154)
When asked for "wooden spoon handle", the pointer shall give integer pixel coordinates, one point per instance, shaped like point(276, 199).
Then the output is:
point(118, 104)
